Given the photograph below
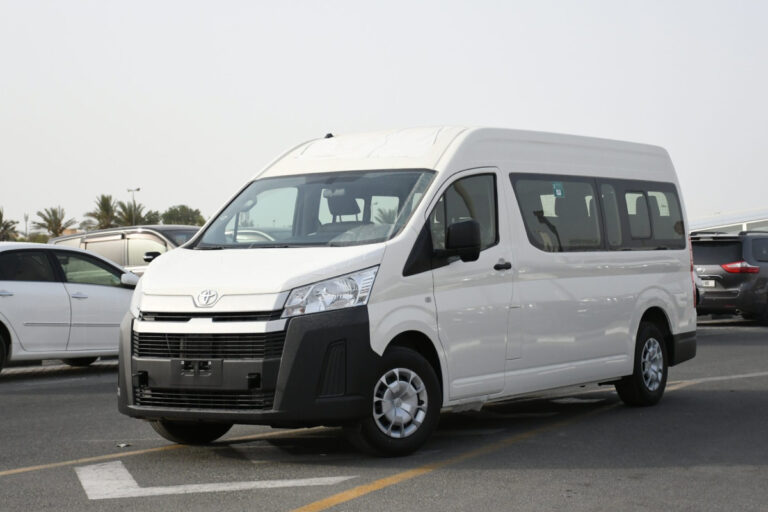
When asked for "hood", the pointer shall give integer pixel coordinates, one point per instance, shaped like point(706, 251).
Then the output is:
point(253, 271)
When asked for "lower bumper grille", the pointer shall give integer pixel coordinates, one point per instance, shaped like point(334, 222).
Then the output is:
point(195, 399)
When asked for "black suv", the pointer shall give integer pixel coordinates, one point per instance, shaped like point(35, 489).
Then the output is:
point(734, 273)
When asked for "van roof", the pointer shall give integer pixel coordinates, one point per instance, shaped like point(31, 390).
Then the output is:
point(435, 148)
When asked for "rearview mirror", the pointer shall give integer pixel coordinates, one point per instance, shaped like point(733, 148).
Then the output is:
point(129, 280)
point(463, 240)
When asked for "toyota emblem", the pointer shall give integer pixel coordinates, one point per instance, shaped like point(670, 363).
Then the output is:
point(207, 298)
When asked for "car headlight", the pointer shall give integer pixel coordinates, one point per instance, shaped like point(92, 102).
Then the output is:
point(337, 293)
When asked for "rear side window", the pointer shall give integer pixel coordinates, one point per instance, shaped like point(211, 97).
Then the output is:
point(560, 214)
point(140, 245)
point(473, 197)
point(113, 249)
point(760, 249)
point(565, 213)
point(716, 253)
point(25, 266)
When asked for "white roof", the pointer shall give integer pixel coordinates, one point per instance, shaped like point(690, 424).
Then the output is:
point(439, 148)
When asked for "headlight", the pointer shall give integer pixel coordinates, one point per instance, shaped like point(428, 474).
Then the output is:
point(339, 292)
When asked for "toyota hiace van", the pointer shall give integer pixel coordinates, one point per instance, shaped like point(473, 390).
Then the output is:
point(371, 281)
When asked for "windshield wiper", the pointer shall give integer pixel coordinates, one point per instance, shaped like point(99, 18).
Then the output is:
point(208, 247)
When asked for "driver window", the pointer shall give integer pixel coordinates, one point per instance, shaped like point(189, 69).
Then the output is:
point(473, 197)
point(83, 270)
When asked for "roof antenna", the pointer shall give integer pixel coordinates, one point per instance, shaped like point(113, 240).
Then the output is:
point(328, 136)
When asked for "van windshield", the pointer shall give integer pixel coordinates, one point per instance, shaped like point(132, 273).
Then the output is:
point(328, 209)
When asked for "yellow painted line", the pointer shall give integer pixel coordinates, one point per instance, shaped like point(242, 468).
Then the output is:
point(376, 485)
point(165, 448)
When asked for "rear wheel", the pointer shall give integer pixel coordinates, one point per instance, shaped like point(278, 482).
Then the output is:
point(647, 383)
point(405, 406)
point(80, 361)
point(3, 351)
point(190, 432)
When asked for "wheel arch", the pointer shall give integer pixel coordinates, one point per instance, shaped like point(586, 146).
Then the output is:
point(5, 337)
point(658, 317)
point(422, 344)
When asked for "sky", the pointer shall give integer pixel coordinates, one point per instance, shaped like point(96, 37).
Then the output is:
point(188, 100)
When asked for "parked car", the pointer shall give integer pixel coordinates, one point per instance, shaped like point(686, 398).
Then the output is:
point(734, 273)
point(132, 247)
point(60, 303)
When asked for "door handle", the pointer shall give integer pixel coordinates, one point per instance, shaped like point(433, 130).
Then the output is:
point(4, 293)
point(79, 295)
point(502, 265)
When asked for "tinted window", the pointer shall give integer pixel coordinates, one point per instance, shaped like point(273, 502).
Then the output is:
point(137, 247)
point(716, 253)
point(473, 197)
point(560, 214)
point(79, 268)
point(111, 249)
point(637, 212)
point(666, 217)
point(25, 266)
point(760, 249)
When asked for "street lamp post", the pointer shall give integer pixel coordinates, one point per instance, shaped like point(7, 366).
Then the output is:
point(133, 192)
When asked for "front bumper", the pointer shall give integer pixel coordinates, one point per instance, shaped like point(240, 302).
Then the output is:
point(323, 376)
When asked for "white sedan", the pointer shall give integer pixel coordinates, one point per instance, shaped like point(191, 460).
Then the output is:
point(60, 303)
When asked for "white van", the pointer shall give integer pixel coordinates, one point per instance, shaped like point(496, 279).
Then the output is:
point(373, 280)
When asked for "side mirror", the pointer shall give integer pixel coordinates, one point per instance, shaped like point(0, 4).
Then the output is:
point(149, 256)
point(129, 280)
point(463, 240)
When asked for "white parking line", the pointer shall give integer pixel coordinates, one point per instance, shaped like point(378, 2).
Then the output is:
point(112, 480)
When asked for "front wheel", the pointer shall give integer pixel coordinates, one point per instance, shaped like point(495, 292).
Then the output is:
point(405, 406)
point(190, 432)
point(649, 379)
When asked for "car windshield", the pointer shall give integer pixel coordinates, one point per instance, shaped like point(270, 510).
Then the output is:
point(328, 209)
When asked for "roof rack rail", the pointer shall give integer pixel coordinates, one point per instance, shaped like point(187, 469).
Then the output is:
point(751, 231)
point(699, 233)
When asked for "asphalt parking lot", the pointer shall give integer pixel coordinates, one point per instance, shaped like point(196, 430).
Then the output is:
point(704, 447)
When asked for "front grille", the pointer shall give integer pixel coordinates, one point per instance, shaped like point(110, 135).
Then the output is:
point(184, 398)
point(209, 346)
point(230, 316)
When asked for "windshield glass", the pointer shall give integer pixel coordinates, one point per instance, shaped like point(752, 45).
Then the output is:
point(329, 209)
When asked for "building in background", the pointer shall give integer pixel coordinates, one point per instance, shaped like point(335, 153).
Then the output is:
point(755, 220)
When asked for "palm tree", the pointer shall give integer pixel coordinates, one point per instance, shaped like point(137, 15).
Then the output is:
point(7, 228)
point(53, 221)
point(129, 213)
point(104, 214)
point(386, 215)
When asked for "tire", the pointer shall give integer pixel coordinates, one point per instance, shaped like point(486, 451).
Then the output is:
point(3, 351)
point(649, 379)
point(80, 361)
point(190, 432)
point(402, 418)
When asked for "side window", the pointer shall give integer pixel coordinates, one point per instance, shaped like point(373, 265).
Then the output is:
point(25, 266)
point(637, 211)
point(666, 217)
point(473, 197)
point(84, 270)
point(760, 249)
point(338, 205)
point(559, 213)
point(113, 249)
point(138, 246)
